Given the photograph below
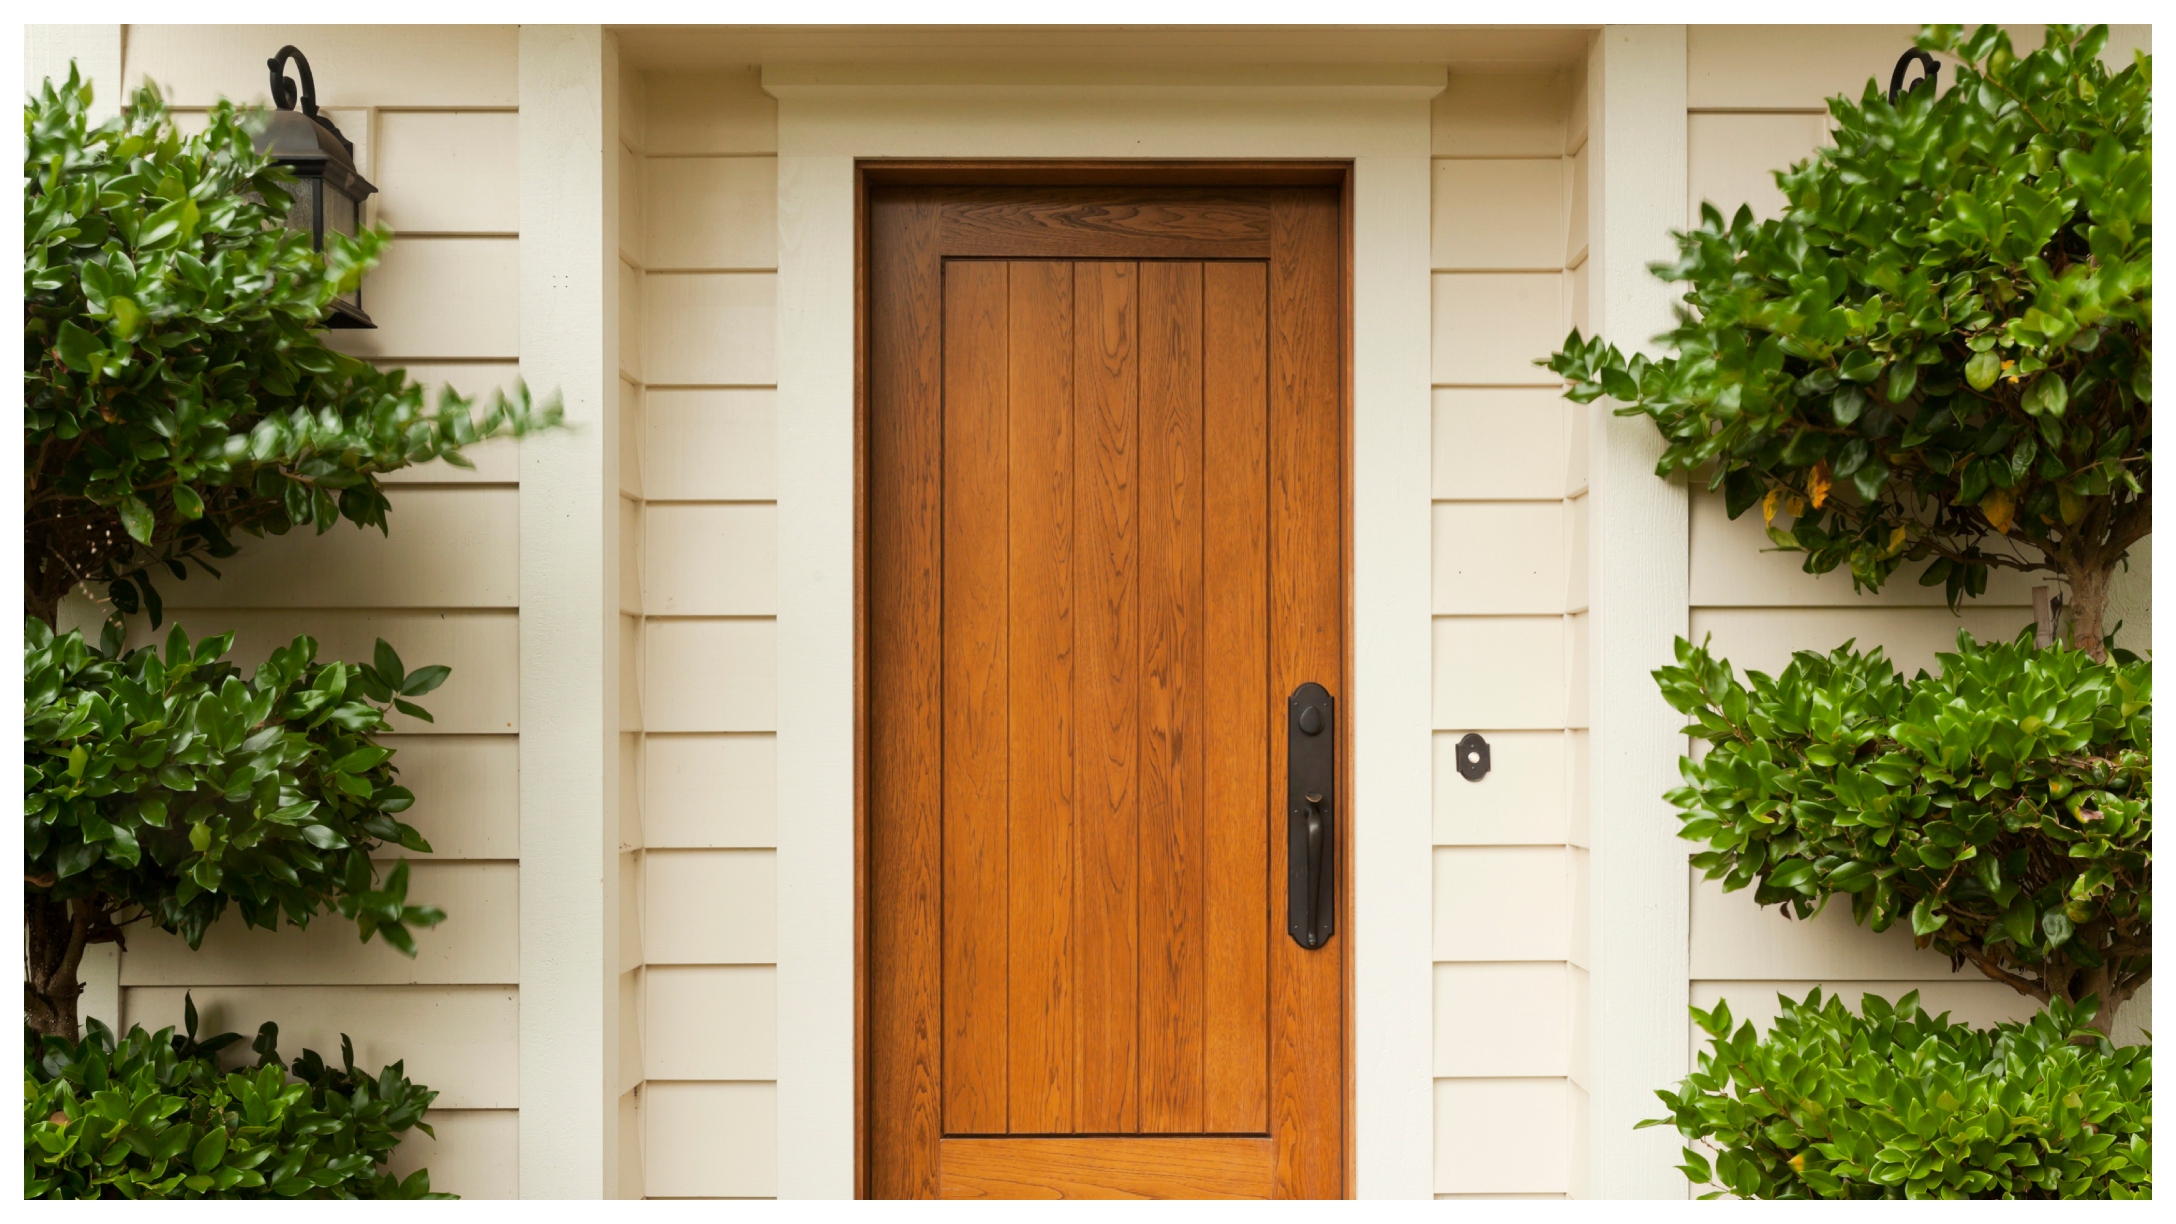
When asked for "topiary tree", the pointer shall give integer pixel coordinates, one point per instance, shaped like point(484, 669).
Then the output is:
point(2003, 809)
point(1942, 351)
point(177, 396)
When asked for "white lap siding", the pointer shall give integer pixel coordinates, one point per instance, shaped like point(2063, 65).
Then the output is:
point(434, 123)
point(1755, 104)
point(699, 565)
point(1510, 630)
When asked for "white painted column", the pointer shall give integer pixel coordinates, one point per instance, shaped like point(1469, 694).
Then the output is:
point(1394, 1106)
point(1638, 576)
point(96, 52)
point(816, 673)
point(570, 666)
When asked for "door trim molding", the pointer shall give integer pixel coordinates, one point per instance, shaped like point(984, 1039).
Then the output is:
point(824, 141)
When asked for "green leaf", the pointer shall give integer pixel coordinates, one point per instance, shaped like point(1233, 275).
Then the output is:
point(77, 348)
point(136, 517)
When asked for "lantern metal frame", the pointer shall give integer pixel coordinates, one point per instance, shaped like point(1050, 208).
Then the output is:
point(322, 159)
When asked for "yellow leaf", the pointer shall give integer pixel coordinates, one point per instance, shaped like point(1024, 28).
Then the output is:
point(1798, 1162)
point(1818, 483)
point(1794, 505)
point(2000, 508)
point(1768, 506)
point(1896, 541)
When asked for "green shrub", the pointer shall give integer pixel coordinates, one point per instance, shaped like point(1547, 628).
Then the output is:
point(1942, 351)
point(175, 391)
point(2004, 808)
point(1893, 1103)
point(167, 785)
point(156, 1116)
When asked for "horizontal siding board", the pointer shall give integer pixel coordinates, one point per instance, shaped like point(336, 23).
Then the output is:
point(710, 1140)
point(711, 1022)
point(481, 697)
point(710, 907)
point(711, 675)
point(1499, 213)
point(1496, 1020)
point(710, 791)
point(1487, 114)
point(1968, 998)
point(1731, 160)
point(708, 113)
point(710, 329)
point(1502, 444)
point(1500, 558)
point(711, 560)
point(475, 1154)
point(495, 462)
point(1734, 938)
point(449, 172)
point(1502, 1136)
point(355, 65)
point(1490, 327)
point(1763, 638)
point(1499, 672)
point(439, 298)
point(463, 1041)
point(710, 212)
point(1502, 903)
point(468, 793)
point(453, 546)
point(1734, 565)
point(631, 321)
point(1521, 801)
point(710, 445)
point(1766, 67)
point(479, 943)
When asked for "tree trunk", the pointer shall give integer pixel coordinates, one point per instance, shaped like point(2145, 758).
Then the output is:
point(54, 936)
point(2089, 585)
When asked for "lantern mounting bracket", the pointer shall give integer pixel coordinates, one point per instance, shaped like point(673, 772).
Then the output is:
point(1930, 78)
point(285, 96)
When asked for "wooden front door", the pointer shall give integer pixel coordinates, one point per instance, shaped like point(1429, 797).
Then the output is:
point(1103, 522)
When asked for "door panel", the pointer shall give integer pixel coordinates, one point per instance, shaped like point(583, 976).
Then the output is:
point(1102, 548)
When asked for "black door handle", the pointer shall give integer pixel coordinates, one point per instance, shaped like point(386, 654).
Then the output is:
point(1310, 816)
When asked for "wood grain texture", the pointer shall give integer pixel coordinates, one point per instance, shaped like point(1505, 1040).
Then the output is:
point(1143, 172)
point(1092, 223)
point(1307, 1087)
point(1107, 636)
point(1126, 545)
point(1108, 1168)
point(1240, 712)
point(1038, 524)
point(1172, 967)
point(973, 703)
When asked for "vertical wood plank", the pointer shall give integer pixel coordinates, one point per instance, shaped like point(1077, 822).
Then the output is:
point(1307, 617)
point(1239, 710)
point(974, 698)
point(904, 658)
point(1039, 623)
point(1107, 607)
point(1171, 698)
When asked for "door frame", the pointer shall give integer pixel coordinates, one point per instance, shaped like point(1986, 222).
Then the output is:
point(1117, 173)
point(1377, 118)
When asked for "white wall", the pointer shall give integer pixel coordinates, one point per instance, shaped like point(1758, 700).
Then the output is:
point(698, 598)
point(433, 120)
point(1510, 606)
point(1755, 105)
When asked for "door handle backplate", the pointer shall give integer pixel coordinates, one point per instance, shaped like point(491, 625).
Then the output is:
point(1310, 815)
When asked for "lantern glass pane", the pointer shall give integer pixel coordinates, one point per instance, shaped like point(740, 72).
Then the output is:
point(303, 216)
point(339, 214)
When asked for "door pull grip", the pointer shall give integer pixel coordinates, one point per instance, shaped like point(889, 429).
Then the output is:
point(1310, 816)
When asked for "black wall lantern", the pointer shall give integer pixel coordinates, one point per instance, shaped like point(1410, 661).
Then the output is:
point(328, 191)
point(1932, 70)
